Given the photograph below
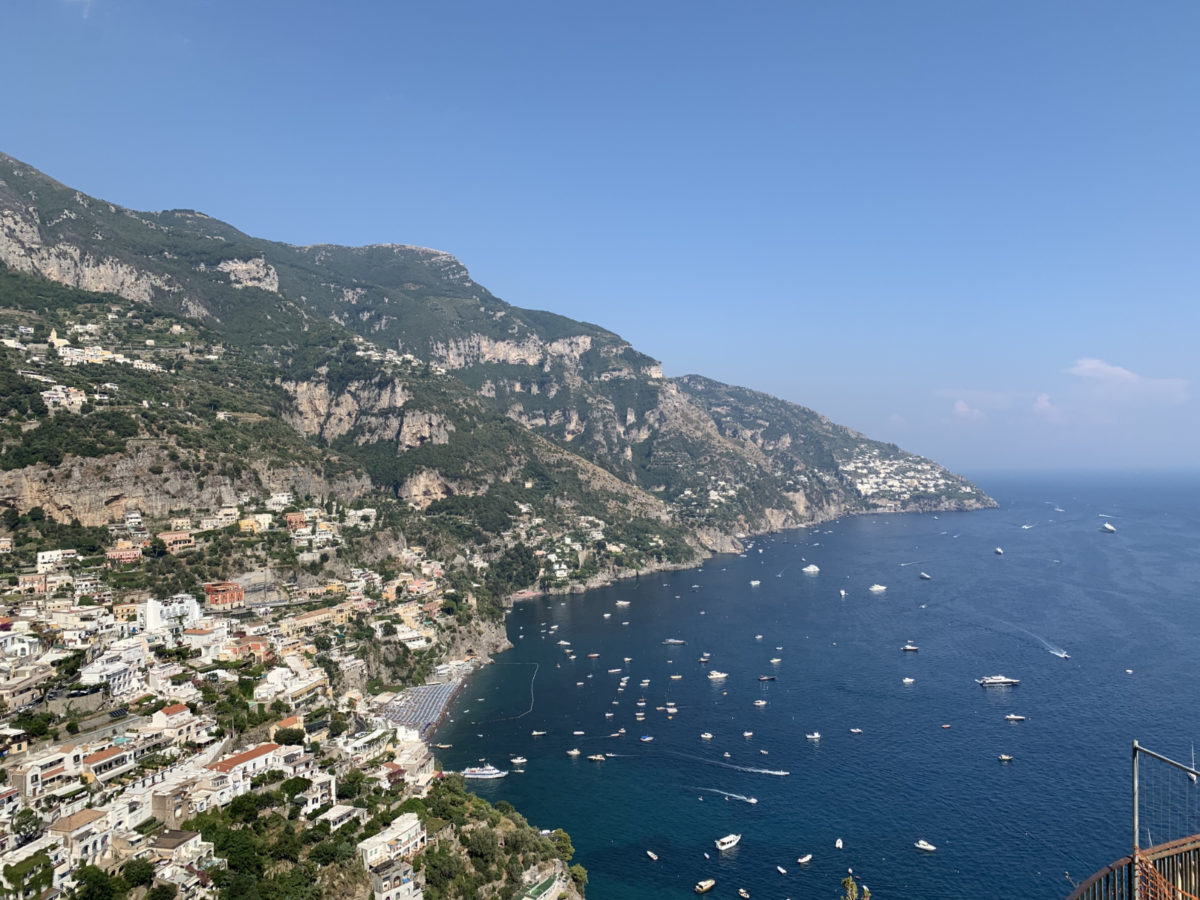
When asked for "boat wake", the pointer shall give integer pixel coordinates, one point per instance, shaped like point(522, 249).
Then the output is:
point(532, 678)
point(1050, 647)
point(724, 765)
point(727, 794)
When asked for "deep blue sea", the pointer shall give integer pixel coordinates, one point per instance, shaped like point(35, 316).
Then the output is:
point(1058, 811)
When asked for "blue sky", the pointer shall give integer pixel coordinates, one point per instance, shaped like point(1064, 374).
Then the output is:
point(969, 228)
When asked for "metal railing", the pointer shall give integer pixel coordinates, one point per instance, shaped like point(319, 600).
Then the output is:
point(1178, 862)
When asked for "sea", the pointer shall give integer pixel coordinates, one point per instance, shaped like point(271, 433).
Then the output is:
point(1122, 606)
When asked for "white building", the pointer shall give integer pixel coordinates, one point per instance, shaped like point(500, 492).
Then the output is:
point(168, 616)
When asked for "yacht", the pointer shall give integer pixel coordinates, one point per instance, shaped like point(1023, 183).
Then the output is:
point(813, 736)
point(730, 840)
point(908, 680)
point(704, 886)
point(877, 588)
point(910, 647)
point(706, 735)
point(996, 681)
point(924, 845)
point(518, 760)
point(714, 675)
point(1013, 717)
point(484, 771)
point(811, 569)
point(574, 751)
point(596, 757)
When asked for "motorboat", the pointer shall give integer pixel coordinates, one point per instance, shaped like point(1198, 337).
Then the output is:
point(813, 736)
point(856, 731)
point(484, 771)
point(1004, 757)
point(775, 660)
point(910, 647)
point(674, 642)
point(760, 702)
point(714, 675)
point(518, 760)
point(805, 859)
point(766, 677)
point(676, 677)
point(747, 734)
point(574, 751)
point(1013, 717)
point(925, 576)
point(781, 870)
point(1061, 654)
point(1108, 528)
point(755, 583)
point(758, 637)
point(597, 757)
point(838, 844)
point(996, 681)
point(811, 569)
point(577, 733)
point(645, 738)
point(537, 733)
point(999, 551)
point(652, 855)
point(924, 845)
point(877, 588)
point(725, 843)
point(704, 886)
point(742, 892)
point(908, 680)
point(706, 735)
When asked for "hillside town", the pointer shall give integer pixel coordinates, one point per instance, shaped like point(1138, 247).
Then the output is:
point(130, 720)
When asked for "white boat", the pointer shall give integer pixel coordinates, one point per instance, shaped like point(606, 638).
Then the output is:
point(706, 735)
point(856, 731)
point(744, 894)
point(838, 844)
point(805, 859)
point(758, 637)
point(705, 885)
point(811, 569)
point(924, 845)
point(813, 736)
point(714, 675)
point(747, 734)
point(676, 677)
point(518, 760)
point(574, 751)
point(782, 870)
point(483, 772)
point(910, 647)
point(760, 702)
point(908, 680)
point(730, 840)
point(1108, 528)
point(843, 593)
point(996, 681)
point(1013, 717)
point(755, 583)
point(1004, 757)
point(877, 588)
point(652, 855)
point(999, 551)
point(775, 660)
point(596, 757)
point(537, 733)
point(645, 738)
point(1061, 654)
point(674, 642)
point(577, 733)
point(925, 576)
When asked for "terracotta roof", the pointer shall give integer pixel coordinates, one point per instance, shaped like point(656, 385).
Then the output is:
point(102, 756)
point(174, 708)
point(289, 722)
point(77, 820)
point(229, 763)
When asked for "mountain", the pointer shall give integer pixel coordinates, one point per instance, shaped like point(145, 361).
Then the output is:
point(385, 370)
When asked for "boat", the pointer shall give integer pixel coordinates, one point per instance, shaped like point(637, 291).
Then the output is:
point(781, 870)
point(755, 583)
point(760, 702)
point(838, 844)
point(1004, 757)
point(813, 736)
point(910, 647)
point(811, 569)
point(676, 677)
point(443, 746)
point(597, 757)
point(537, 733)
point(483, 772)
point(714, 675)
point(652, 855)
point(706, 735)
point(747, 734)
point(613, 671)
point(577, 733)
point(925, 576)
point(742, 892)
point(775, 660)
point(1061, 654)
point(751, 800)
point(908, 680)
point(766, 677)
point(646, 738)
point(758, 637)
point(805, 859)
point(924, 845)
point(704, 886)
point(843, 593)
point(877, 588)
point(1108, 528)
point(674, 642)
point(945, 726)
point(1013, 717)
point(518, 760)
point(999, 551)
point(996, 681)
point(856, 731)
point(725, 843)
point(622, 603)
point(593, 656)
point(574, 751)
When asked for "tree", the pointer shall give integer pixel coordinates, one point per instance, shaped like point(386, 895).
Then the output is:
point(293, 736)
point(579, 876)
point(137, 872)
point(93, 883)
point(161, 892)
point(26, 825)
point(563, 847)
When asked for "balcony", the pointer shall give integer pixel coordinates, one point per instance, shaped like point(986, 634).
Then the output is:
point(1170, 870)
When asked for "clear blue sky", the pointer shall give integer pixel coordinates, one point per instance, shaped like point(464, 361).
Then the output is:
point(967, 227)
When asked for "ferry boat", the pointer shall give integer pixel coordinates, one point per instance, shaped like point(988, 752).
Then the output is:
point(996, 681)
point(483, 772)
point(725, 843)
point(704, 886)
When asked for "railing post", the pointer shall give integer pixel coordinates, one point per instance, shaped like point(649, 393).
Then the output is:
point(1134, 883)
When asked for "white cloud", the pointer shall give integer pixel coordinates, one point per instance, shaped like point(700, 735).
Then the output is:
point(1044, 409)
point(1118, 383)
point(965, 412)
